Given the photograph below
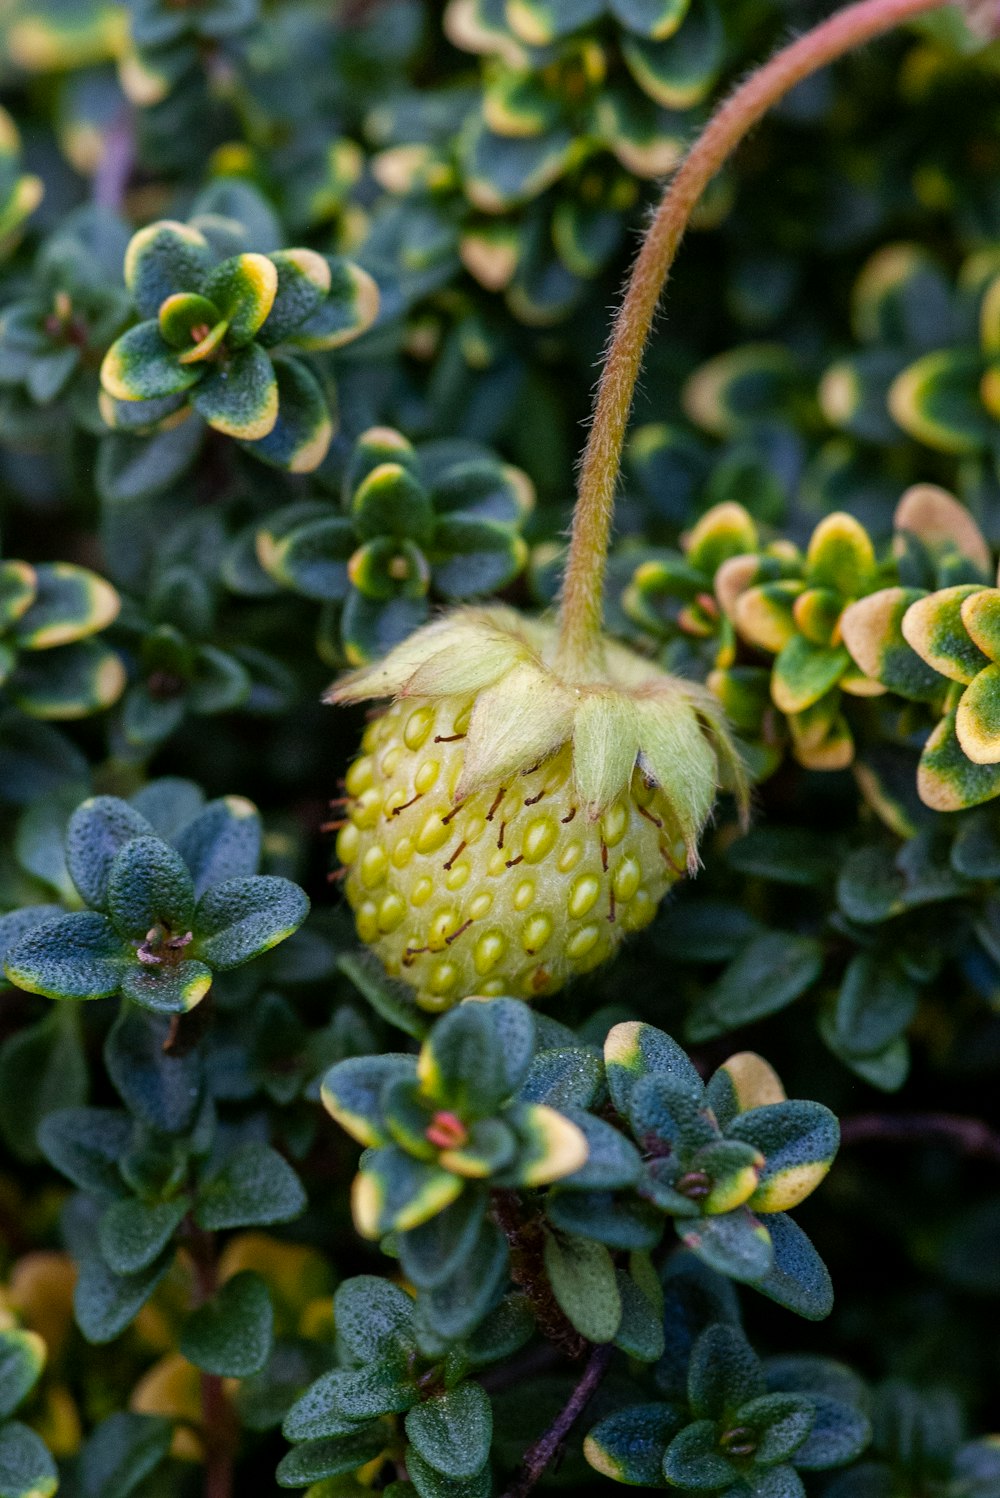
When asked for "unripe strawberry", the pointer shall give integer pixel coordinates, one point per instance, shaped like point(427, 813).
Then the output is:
point(505, 829)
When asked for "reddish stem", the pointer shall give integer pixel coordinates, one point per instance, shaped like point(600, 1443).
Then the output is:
point(217, 1425)
point(526, 1243)
point(970, 1136)
point(545, 1450)
point(583, 581)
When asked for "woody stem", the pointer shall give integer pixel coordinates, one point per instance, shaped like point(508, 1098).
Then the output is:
point(539, 1457)
point(583, 581)
point(218, 1430)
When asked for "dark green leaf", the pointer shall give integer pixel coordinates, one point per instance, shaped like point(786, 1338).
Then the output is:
point(78, 956)
point(563, 1077)
point(149, 886)
point(471, 557)
point(85, 1144)
point(121, 1453)
point(22, 1358)
point(501, 1332)
point(16, 922)
point(382, 1388)
point(629, 1446)
point(462, 1065)
point(772, 971)
point(314, 1460)
point(695, 1460)
point(778, 1424)
point(160, 1084)
point(173, 988)
point(42, 1068)
point(583, 1281)
point(453, 1431)
point(130, 468)
point(839, 1434)
point(241, 918)
point(373, 1316)
point(612, 1160)
point(452, 1310)
point(798, 1278)
point(876, 1003)
point(232, 1333)
point(263, 1400)
point(353, 1091)
point(222, 842)
point(105, 1302)
point(431, 1254)
point(618, 1221)
point(254, 1188)
point(640, 1330)
point(26, 1468)
point(97, 830)
point(734, 1243)
point(300, 437)
point(133, 1234)
point(724, 1374)
point(430, 1483)
point(316, 1416)
point(239, 398)
point(393, 1001)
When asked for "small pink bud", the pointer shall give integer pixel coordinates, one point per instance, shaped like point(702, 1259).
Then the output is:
point(447, 1131)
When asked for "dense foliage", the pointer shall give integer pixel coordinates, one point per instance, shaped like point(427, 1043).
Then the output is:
point(301, 306)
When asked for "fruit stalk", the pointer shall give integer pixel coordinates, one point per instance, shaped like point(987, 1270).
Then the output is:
point(583, 582)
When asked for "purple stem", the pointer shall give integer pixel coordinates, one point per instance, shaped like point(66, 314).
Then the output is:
point(970, 1136)
point(541, 1455)
point(112, 176)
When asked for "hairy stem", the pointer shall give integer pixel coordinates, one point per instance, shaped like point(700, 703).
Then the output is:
point(583, 582)
point(969, 1136)
point(544, 1451)
point(526, 1244)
